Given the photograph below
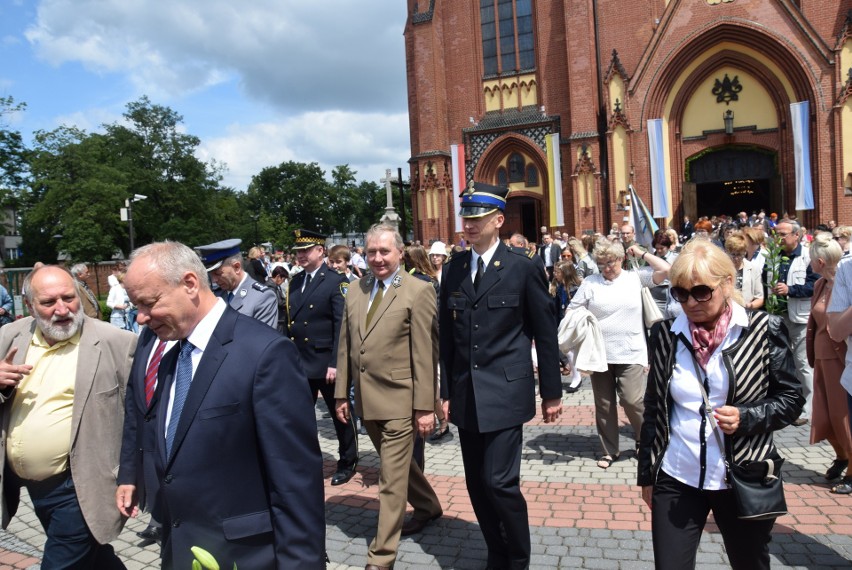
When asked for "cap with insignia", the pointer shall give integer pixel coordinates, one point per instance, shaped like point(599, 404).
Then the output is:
point(307, 238)
point(480, 199)
point(214, 254)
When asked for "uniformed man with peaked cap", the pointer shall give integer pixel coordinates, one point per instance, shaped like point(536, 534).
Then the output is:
point(224, 264)
point(494, 303)
point(315, 302)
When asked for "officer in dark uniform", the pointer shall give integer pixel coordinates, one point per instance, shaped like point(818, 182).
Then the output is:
point(315, 302)
point(494, 304)
point(224, 263)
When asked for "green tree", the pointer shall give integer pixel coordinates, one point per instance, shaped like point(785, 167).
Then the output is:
point(159, 162)
point(73, 201)
point(288, 196)
point(13, 160)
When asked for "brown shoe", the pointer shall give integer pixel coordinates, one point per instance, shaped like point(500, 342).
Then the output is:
point(413, 526)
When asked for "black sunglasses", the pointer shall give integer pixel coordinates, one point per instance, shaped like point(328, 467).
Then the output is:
point(701, 293)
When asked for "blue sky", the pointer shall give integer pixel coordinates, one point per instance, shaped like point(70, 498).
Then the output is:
point(259, 82)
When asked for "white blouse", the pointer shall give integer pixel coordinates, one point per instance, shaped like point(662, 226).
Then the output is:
point(682, 459)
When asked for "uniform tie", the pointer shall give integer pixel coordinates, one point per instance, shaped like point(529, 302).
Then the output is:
point(307, 282)
point(377, 300)
point(183, 378)
point(480, 269)
point(151, 372)
point(230, 297)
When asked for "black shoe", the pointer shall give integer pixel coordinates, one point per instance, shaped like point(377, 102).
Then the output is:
point(440, 435)
point(343, 474)
point(151, 533)
point(836, 469)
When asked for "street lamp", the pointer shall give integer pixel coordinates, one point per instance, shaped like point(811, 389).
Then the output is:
point(127, 214)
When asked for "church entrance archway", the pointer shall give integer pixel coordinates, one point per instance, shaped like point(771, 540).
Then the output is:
point(729, 180)
point(523, 215)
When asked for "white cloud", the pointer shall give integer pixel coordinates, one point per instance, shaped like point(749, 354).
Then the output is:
point(298, 55)
point(368, 142)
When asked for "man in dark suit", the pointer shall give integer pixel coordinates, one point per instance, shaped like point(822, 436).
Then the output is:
point(315, 308)
point(549, 253)
point(136, 475)
point(237, 456)
point(494, 304)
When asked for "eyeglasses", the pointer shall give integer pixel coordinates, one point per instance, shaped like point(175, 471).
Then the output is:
point(781, 234)
point(736, 255)
point(610, 263)
point(701, 293)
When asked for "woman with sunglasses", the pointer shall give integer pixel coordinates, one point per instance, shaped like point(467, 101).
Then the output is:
point(614, 297)
point(744, 364)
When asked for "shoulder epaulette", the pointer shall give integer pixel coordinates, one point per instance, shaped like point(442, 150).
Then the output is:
point(258, 287)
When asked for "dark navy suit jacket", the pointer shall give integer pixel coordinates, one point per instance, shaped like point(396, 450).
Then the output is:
point(314, 318)
point(486, 341)
point(137, 444)
point(244, 480)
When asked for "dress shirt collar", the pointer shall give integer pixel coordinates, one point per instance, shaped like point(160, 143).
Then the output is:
point(240, 284)
point(200, 335)
point(486, 257)
point(387, 282)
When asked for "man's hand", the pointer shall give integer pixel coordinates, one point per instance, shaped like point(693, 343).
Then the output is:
point(647, 494)
point(551, 410)
point(424, 422)
point(125, 500)
point(342, 408)
point(781, 289)
point(11, 374)
point(330, 375)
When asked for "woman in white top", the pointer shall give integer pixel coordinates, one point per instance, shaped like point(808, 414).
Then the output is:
point(613, 296)
point(748, 276)
point(118, 301)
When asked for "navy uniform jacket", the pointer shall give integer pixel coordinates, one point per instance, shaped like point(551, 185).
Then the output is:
point(314, 318)
point(138, 445)
point(254, 300)
point(486, 341)
point(244, 480)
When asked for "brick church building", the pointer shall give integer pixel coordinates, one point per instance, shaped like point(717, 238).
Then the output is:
point(572, 102)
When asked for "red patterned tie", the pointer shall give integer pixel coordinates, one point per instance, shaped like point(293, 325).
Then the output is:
point(151, 374)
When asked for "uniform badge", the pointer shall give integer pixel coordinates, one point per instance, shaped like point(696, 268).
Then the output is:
point(397, 281)
point(344, 288)
point(497, 263)
point(371, 279)
point(243, 292)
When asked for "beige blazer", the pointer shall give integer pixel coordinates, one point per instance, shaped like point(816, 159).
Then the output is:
point(103, 366)
point(393, 362)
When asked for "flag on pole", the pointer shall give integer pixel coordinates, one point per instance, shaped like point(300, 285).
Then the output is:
point(641, 220)
point(554, 176)
point(659, 187)
point(800, 115)
point(459, 183)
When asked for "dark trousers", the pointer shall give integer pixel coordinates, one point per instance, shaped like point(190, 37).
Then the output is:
point(347, 442)
point(679, 514)
point(70, 545)
point(492, 469)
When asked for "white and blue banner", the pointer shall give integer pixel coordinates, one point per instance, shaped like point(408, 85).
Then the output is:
point(800, 115)
point(659, 186)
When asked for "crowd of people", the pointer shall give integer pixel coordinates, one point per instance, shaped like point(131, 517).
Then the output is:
point(707, 346)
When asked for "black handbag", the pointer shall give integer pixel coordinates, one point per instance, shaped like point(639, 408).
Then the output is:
point(758, 489)
point(757, 485)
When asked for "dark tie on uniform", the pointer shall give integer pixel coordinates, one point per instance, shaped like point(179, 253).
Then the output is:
point(230, 296)
point(480, 269)
point(377, 300)
point(183, 378)
point(151, 373)
point(307, 282)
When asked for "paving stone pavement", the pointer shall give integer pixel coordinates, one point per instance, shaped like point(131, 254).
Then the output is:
point(581, 516)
